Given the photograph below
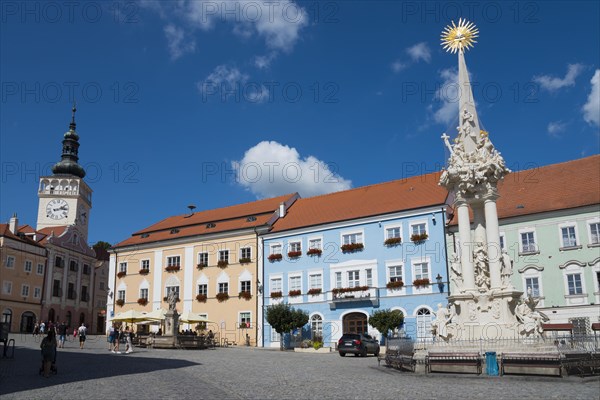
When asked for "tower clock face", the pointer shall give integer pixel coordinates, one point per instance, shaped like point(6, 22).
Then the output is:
point(57, 209)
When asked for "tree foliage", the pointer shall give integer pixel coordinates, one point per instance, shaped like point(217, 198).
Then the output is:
point(283, 318)
point(386, 320)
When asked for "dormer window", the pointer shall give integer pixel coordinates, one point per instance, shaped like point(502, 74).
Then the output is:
point(174, 231)
point(210, 225)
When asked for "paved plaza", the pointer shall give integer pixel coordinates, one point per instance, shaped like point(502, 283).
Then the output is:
point(249, 373)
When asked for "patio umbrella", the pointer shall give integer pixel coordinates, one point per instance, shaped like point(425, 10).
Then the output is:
point(130, 316)
point(192, 318)
point(155, 315)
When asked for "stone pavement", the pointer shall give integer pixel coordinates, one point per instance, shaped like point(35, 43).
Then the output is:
point(250, 373)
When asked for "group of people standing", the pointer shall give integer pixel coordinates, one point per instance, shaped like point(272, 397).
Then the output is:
point(115, 334)
point(49, 344)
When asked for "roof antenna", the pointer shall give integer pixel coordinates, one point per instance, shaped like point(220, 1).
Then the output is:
point(192, 208)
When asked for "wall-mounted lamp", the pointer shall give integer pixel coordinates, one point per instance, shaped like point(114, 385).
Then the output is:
point(433, 218)
point(110, 293)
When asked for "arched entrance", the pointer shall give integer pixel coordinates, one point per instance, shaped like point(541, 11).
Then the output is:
point(355, 323)
point(424, 324)
point(27, 321)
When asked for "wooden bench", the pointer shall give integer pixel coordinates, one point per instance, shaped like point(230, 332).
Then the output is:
point(453, 362)
point(531, 363)
point(581, 364)
point(190, 342)
point(399, 361)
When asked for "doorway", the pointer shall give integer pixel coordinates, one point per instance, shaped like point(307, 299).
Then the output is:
point(355, 323)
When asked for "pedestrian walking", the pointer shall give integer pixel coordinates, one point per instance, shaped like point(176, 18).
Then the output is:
point(36, 329)
point(82, 332)
point(62, 334)
point(129, 337)
point(48, 347)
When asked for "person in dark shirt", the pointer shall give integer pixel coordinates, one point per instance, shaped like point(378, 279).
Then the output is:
point(62, 334)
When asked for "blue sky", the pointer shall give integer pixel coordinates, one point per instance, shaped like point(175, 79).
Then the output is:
point(217, 103)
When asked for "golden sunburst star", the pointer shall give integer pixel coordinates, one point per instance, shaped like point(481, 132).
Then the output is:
point(459, 37)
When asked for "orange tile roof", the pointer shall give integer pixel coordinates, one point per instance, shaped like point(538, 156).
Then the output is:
point(5, 231)
point(55, 230)
point(549, 188)
point(225, 219)
point(383, 198)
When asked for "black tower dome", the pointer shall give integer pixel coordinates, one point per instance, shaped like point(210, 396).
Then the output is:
point(68, 164)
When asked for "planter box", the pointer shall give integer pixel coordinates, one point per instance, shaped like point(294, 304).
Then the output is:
point(322, 350)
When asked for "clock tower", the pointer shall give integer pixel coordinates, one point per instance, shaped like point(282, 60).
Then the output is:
point(65, 199)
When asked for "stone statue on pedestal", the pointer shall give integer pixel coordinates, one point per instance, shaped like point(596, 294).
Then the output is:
point(443, 316)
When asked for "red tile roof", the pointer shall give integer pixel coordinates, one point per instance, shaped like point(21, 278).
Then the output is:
point(224, 219)
point(383, 198)
point(51, 230)
point(549, 188)
point(5, 231)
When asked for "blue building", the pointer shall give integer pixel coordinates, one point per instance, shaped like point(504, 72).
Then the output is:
point(344, 255)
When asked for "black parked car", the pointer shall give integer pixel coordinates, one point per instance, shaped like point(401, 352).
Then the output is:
point(358, 344)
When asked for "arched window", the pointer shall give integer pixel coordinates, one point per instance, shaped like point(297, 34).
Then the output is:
point(316, 327)
point(424, 324)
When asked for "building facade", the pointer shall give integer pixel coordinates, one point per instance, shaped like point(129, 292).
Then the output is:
point(550, 228)
point(344, 255)
point(208, 258)
point(23, 269)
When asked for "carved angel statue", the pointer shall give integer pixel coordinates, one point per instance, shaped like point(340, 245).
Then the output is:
point(507, 269)
point(443, 316)
point(456, 272)
point(482, 273)
point(530, 320)
point(172, 299)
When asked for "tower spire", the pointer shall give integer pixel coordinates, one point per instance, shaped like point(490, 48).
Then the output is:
point(68, 164)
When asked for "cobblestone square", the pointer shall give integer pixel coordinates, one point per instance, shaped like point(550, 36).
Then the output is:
point(250, 373)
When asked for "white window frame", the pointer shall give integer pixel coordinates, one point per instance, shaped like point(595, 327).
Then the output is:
point(588, 224)
point(315, 239)
point(386, 235)
point(295, 245)
point(422, 289)
point(567, 225)
point(249, 313)
point(224, 255)
point(534, 273)
point(249, 249)
point(575, 299)
point(273, 248)
point(26, 264)
point(535, 241)
point(360, 232)
point(205, 286)
point(344, 267)
point(388, 276)
point(174, 260)
point(146, 268)
point(142, 293)
point(315, 272)
point(200, 257)
point(7, 287)
point(502, 241)
point(418, 222)
point(313, 321)
point(10, 262)
point(272, 278)
point(37, 292)
point(123, 266)
point(295, 276)
point(353, 278)
point(241, 281)
point(121, 295)
point(24, 290)
point(222, 283)
point(40, 269)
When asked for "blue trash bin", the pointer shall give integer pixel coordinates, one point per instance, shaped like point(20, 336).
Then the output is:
point(491, 363)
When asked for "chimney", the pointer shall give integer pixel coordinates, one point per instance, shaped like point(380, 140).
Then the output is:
point(13, 225)
point(281, 210)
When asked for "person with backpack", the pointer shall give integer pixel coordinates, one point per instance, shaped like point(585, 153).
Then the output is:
point(82, 331)
point(48, 347)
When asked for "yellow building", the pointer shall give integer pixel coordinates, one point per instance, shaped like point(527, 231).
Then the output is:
point(22, 274)
point(208, 258)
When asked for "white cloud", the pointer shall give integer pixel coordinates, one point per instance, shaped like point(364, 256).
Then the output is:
point(556, 127)
point(448, 94)
point(398, 66)
point(552, 84)
point(591, 109)
point(177, 42)
point(277, 23)
point(419, 51)
point(224, 75)
point(271, 169)
point(264, 62)
point(226, 82)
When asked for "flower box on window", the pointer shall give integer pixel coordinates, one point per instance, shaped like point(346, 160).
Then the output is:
point(222, 264)
point(121, 274)
point(294, 293)
point(315, 291)
point(276, 295)
point(418, 237)
point(421, 282)
point(245, 260)
point(244, 325)
point(142, 301)
point(221, 297)
point(120, 302)
point(173, 268)
point(294, 254)
point(201, 266)
point(392, 241)
point(144, 271)
point(201, 298)
point(395, 285)
point(350, 247)
point(337, 291)
point(275, 257)
point(314, 252)
point(245, 295)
